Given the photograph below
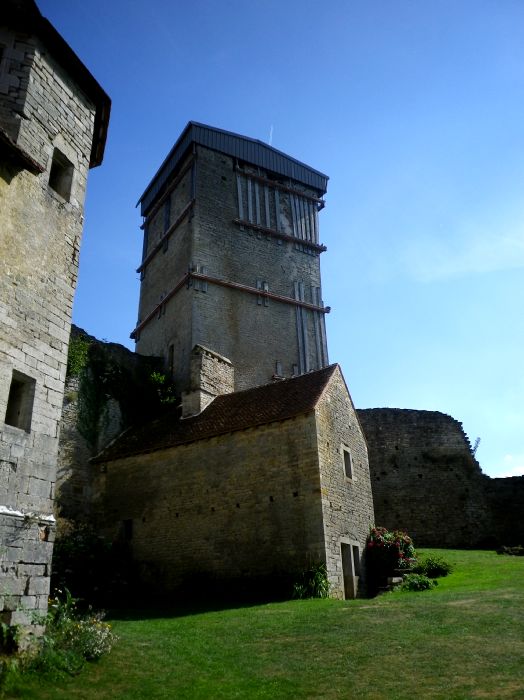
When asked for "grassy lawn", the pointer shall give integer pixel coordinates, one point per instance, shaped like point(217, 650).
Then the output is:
point(463, 639)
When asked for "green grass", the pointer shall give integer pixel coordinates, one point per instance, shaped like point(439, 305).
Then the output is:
point(463, 639)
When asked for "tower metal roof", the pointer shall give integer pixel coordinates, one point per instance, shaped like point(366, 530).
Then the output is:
point(247, 149)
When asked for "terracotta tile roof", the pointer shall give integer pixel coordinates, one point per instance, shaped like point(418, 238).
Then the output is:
point(227, 413)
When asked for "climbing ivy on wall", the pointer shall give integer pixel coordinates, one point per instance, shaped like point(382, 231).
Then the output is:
point(77, 356)
point(110, 372)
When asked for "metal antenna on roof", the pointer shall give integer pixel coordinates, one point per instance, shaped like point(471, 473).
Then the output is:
point(271, 135)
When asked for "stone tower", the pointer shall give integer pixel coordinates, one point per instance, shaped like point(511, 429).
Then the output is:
point(53, 124)
point(231, 259)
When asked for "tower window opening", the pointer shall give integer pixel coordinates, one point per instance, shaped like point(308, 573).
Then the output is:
point(19, 410)
point(61, 175)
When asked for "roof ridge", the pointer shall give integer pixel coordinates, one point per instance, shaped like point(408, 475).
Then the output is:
point(233, 412)
point(280, 382)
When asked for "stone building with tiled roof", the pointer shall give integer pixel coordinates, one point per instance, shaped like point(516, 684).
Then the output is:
point(259, 486)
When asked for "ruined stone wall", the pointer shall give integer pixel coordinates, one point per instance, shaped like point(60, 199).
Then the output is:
point(110, 392)
point(242, 505)
point(42, 109)
point(506, 499)
point(425, 478)
point(259, 335)
point(347, 502)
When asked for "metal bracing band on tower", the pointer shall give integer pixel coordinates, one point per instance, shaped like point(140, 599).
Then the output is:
point(306, 246)
point(192, 274)
point(316, 201)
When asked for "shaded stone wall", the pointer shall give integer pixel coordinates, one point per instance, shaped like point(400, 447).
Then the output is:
point(244, 505)
point(347, 501)
point(112, 391)
point(41, 109)
point(506, 499)
point(425, 478)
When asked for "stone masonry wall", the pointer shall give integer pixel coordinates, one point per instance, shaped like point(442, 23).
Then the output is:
point(243, 505)
point(254, 334)
point(211, 375)
point(172, 326)
point(112, 391)
point(506, 499)
point(39, 246)
point(425, 478)
point(346, 501)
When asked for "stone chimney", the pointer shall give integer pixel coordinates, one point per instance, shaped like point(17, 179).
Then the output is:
point(211, 375)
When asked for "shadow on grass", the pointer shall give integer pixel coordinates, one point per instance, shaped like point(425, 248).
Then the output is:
point(202, 596)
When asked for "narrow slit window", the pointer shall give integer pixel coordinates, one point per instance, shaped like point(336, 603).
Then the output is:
point(348, 461)
point(19, 410)
point(61, 175)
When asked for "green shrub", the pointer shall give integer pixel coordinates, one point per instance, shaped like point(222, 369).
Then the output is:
point(313, 583)
point(70, 639)
point(433, 567)
point(8, 638)
point(417, 582)
point(10, 674)
point(164, 387)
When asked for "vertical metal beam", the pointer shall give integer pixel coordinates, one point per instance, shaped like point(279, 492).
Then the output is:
point(299, 332)
point(266, 206)
point(293, 214)
point(307, 366)
point(277, 211)
point(313, 222)
point(300, 204)
point(240, 198)
point(315, 294)
point(323, 340)
point(249, 201)
point(257, 203)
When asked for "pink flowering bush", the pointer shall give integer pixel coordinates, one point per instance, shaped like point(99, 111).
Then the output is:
point(386, 552)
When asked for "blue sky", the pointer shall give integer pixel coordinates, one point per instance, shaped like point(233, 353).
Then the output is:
point(415, 110)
